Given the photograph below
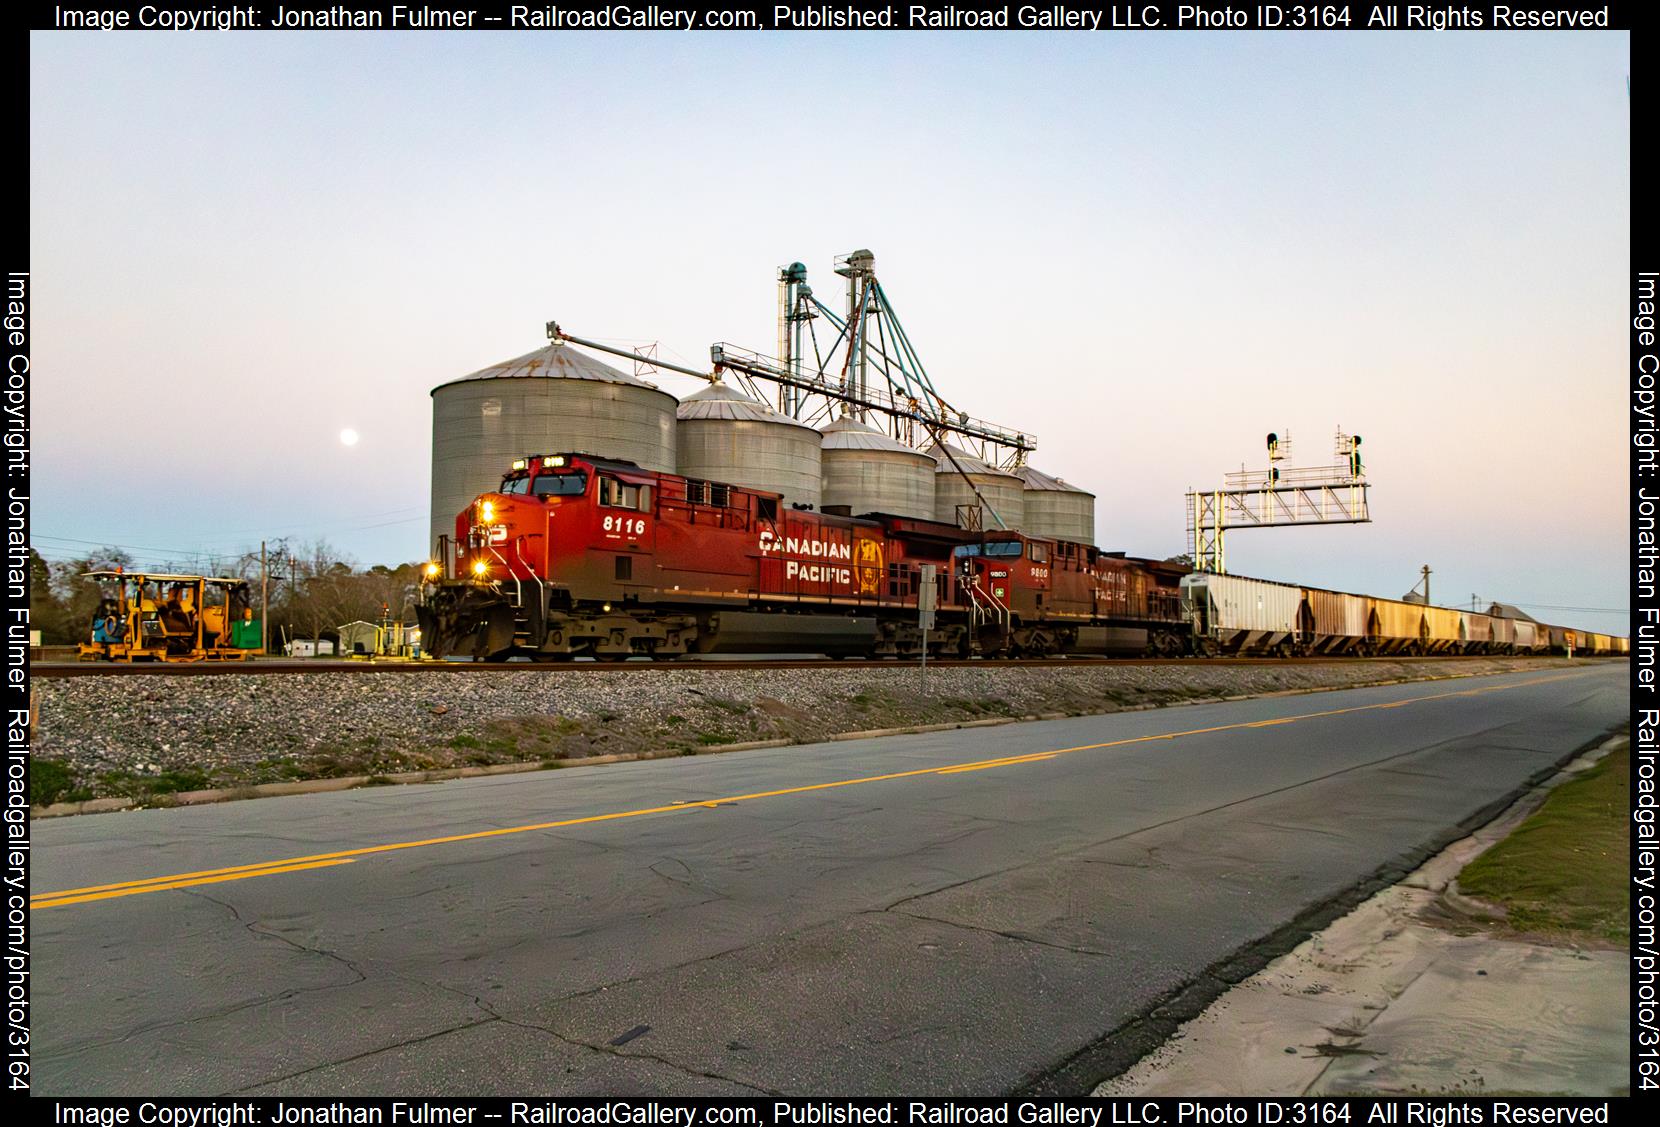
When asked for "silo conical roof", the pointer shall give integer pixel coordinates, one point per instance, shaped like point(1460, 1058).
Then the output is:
point(721, 400)
point(965, 461)
point(848, 433)
point(555, 361)
point(1038, 481)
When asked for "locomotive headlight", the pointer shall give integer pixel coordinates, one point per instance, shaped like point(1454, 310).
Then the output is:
point(433, 570)
point(481, 568)
point(487, 510)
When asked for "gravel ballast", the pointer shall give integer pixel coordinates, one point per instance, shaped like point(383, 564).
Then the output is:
point(147, 738)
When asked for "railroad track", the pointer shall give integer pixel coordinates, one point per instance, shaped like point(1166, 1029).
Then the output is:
point(61, 669)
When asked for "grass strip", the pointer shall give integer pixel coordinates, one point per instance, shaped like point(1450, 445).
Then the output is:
point(1566, 870)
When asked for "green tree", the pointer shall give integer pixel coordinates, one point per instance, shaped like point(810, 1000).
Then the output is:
point(46, 612)
point(78, 595)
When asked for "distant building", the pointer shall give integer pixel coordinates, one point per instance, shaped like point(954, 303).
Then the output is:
point(367, 639)
point(1505, 610)
point(360, 638)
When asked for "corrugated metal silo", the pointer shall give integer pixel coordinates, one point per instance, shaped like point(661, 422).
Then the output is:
point(1002, 490)
point(553, 399)
point(869, 472)
point(1056, 509)
point(724, 435)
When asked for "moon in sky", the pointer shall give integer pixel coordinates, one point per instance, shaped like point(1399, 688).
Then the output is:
point(348, 437)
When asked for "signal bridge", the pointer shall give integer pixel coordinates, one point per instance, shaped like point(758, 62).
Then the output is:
point(1277, 497)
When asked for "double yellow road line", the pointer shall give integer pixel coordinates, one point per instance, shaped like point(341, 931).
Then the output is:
point(347, 856)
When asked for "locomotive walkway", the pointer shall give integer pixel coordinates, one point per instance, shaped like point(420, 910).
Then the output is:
point(968, 912)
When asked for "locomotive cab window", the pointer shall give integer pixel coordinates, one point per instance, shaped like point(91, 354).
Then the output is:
point(1002, 550)
point(1038, 553)
point(620, 495)
point(559, 485)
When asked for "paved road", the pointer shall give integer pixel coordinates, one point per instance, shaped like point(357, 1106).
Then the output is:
point(961, 912)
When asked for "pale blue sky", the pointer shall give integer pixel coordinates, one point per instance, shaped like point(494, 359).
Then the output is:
point(1147, 249)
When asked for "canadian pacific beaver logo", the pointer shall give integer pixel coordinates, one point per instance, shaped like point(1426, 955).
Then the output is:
point(870, 567)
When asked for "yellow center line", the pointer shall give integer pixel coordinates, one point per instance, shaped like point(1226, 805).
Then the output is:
point(58, 899)
point(1009, 762)
point(325, 860)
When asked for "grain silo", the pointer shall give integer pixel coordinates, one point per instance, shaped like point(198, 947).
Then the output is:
point(1003, 491)
point(1057, 510)
point(869, 472)
point(553, 399)
point(724, 435)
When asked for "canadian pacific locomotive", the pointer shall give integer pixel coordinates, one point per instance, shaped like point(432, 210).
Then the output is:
point(576, 555)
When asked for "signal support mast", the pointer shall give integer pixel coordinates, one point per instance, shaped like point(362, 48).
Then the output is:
point(1278, 497)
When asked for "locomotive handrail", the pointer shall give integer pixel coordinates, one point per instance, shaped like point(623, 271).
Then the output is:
point(981, 599)
point(541, 591)
point(518, 591)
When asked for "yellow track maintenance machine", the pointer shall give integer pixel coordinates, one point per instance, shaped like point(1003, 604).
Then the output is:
point(171, 618)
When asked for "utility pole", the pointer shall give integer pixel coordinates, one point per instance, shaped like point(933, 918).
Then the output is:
point(1426, 585)
point(264, 601)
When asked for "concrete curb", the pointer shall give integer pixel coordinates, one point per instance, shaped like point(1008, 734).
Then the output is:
point(403, 778)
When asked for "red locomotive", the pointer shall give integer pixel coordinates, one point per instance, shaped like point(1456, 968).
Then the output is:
point(577, 555)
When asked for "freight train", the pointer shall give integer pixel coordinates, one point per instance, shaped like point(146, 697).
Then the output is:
point(576, 555)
